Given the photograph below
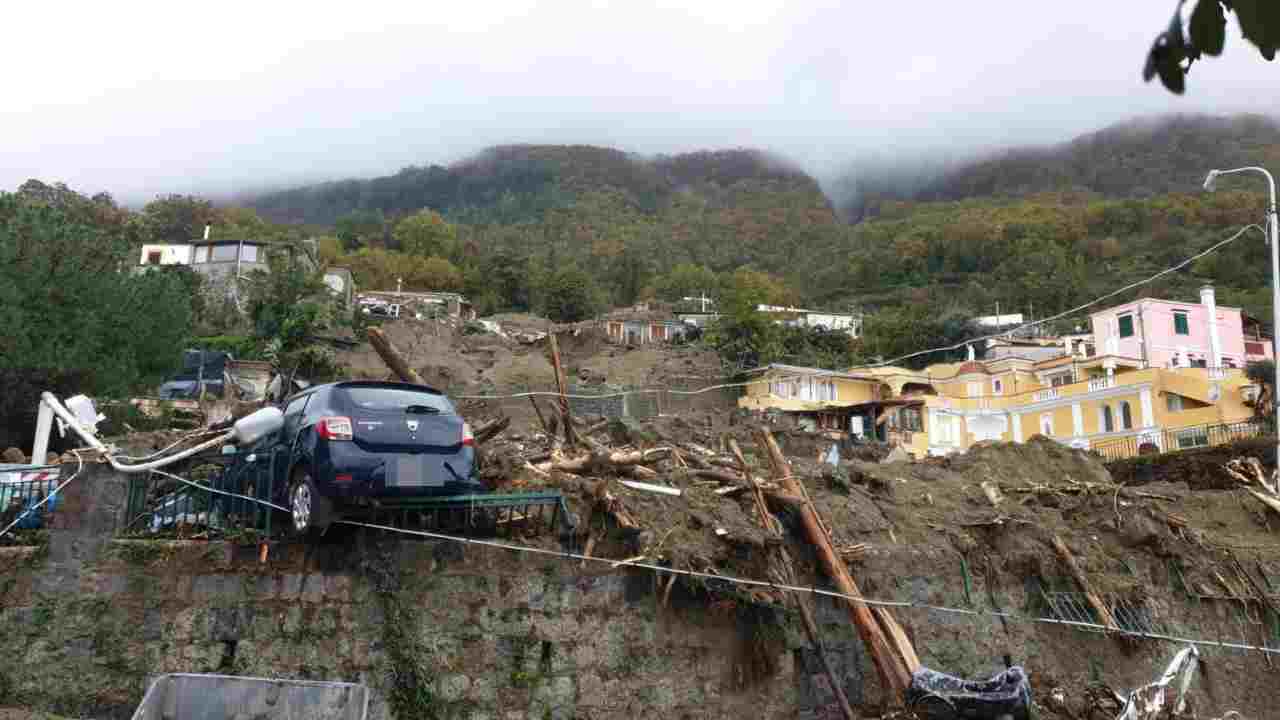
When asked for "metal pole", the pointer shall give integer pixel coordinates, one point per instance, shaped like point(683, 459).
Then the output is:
point(1275, 302)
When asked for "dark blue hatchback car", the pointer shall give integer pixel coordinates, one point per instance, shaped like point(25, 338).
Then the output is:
point(350, 444)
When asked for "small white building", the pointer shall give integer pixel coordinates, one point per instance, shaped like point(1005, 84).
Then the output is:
point(845, 322)
point(165, 255)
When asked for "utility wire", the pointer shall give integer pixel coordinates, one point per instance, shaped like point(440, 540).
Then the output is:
point(22, 515)
point(746, 582)
point(1078, 308)
point(883, 363)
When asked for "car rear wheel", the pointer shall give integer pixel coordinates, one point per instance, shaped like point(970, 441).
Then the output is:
point(309, 511)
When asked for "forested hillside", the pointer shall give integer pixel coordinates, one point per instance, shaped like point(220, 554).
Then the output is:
point(1036, 230)
point(1136, 159)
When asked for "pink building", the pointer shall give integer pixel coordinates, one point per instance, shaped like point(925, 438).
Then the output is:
point(1164, 333)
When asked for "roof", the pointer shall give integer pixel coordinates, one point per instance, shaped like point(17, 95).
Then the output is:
point(799, 370)
point(1158, 300)
point(972, 366)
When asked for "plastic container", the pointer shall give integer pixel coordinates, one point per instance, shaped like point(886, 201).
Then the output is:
point(183, 696)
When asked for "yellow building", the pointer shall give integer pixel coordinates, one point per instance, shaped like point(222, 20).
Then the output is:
point(1106, 403)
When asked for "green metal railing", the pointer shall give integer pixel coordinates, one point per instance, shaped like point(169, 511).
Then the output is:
point(231, 498)
point(1177, 439)
point(238, 497)
point(480, 514)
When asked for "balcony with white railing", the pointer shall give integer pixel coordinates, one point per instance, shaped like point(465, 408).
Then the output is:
point(1046, 394)
point(1102, 383)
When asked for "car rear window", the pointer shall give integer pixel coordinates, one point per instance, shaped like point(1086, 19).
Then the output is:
point(393, 398)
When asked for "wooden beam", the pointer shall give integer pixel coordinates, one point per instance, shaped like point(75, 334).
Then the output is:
point(891, 661)
point(392, 357)
point(784, 569)
point(1064, 554)
point(566, 420)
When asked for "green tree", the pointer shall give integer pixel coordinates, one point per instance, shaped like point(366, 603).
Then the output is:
point(178, 218)
point(361, 228)
point(1174, 50)
point(686, 280)
point(67, 311)
point(427, 233)
point(570, 295)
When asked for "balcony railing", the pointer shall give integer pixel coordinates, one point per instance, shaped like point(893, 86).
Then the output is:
point(1046, 394)
point(1102, 383)
point(1176, 439)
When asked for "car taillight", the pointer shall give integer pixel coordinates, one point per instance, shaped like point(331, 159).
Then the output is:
point(343, 478)
point(334, 428)
point(467, 438)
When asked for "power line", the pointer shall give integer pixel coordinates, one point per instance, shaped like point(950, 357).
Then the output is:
point(883, 363)
point(748, 582)
point(27, 511)
point(1077, 309)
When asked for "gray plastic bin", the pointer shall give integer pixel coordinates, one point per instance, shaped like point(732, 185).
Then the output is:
point(184, 696)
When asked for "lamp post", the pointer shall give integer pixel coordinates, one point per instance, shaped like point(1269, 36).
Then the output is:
point(1273, 237)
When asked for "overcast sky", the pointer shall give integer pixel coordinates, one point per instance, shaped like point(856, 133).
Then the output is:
point(142, 98)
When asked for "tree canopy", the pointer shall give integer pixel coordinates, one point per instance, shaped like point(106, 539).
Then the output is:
point(1175, 49)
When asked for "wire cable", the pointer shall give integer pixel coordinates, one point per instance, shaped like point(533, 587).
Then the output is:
point(746, 582)
point(828, 373)
point(27, 511)
point(1078, 308)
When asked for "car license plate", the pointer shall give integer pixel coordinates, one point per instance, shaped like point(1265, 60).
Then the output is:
point(417, 471)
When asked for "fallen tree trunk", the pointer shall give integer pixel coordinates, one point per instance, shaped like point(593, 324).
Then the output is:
point(782, 571)
point(392, 357)
point(891, 659)
point(1104, 615)
point(566, 419)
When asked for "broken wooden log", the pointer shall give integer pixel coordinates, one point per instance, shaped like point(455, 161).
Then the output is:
point(550, 431)
point(782, 571)
point(490, 430)
point(893, 659)
point(392, 357)
point(1099, 607)
point(566, 419)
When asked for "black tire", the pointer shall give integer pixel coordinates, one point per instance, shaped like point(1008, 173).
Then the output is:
point(309, 512)
point(933, 707)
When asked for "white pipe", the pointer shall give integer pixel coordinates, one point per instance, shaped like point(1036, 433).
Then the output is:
point(62, 412)
point(44, 425)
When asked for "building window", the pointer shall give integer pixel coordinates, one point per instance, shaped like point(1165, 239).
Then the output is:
point(1060, 380)
point(911, 419)
point(997, 387)
point(1108, 422)
point(1126, 326)
point(153, 257)
point(223, 253)
point(202, 254)
point(1046, 424)
point(1172, 402)
point(1126, 416)
point(1180, 326)
point(249, 253)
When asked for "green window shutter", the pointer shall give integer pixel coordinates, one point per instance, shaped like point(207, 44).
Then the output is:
point(1126, 326)
point(1180, 326)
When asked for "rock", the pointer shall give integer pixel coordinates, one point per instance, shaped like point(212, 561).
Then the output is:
point(625, 431)
point(14, 455)
point(1139, 531)
point(897, 454)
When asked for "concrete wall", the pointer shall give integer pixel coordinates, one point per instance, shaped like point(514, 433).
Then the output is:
point(451, 631)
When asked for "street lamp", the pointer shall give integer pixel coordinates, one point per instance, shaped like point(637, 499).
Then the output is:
point(1273, 237)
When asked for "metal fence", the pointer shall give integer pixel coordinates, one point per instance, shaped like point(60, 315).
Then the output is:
point(20, 493)
point(159, 504)
point(1176, 439)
